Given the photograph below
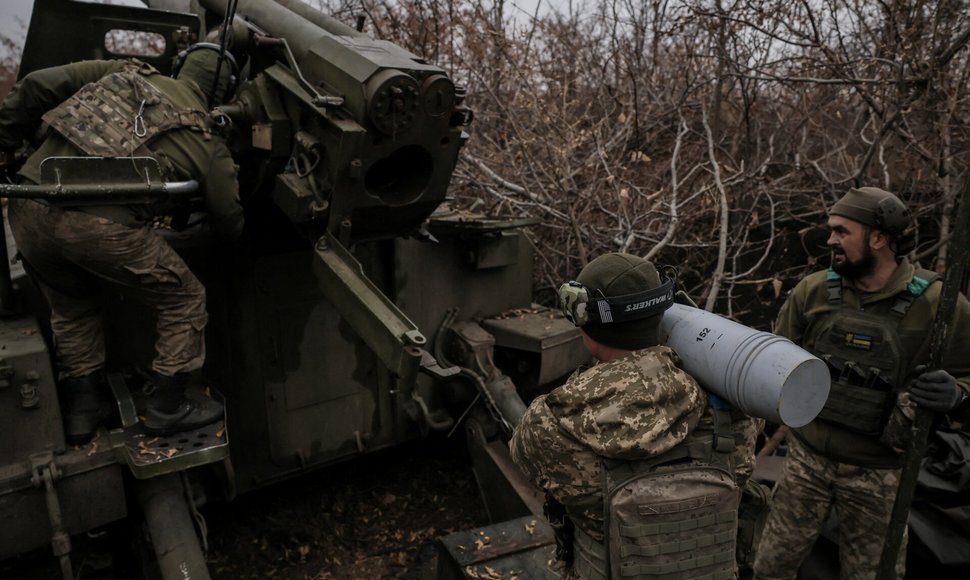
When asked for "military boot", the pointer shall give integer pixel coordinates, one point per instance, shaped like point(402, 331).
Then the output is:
point(86, 406)
point(170, 411)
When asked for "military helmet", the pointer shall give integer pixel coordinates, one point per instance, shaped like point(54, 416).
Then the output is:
point(618, 300)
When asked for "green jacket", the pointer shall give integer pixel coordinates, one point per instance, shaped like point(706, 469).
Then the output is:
point(192, 155)
point(809, 301)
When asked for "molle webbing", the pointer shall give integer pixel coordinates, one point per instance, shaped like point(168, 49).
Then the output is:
point(685, 567)
point(674, 527)
point(670, 516)
point(590, 561)
point(697, 541)
point(120, 114)
point(860, 410)
point(862, 351)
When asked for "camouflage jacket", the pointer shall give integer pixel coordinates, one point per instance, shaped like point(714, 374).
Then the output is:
point(809, 301)
point(190, 153)
point(635, 407)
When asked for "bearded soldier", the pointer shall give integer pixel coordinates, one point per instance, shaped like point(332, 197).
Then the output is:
point(119, 109)
point(869, 318)
point(635, 463)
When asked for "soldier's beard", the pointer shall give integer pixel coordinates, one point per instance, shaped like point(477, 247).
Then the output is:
point(860, 268)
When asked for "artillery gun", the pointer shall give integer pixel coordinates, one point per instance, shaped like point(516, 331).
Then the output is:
point(318, 337)
point(357, 312)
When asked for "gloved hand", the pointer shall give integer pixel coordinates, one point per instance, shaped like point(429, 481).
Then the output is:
point(937, 391)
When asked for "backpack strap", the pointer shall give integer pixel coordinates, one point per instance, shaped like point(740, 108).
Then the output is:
point(921, 280)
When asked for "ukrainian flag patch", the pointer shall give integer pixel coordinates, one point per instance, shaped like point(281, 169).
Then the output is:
point(855, 340)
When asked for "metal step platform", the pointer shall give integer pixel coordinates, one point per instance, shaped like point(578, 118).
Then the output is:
point(522, 548)
point(149, 455)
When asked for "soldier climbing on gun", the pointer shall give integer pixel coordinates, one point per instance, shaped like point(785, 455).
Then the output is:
point(118, 109)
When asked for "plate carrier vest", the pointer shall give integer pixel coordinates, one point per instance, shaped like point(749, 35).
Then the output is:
point(673, 516)
point(864, 356)
point(121, 114)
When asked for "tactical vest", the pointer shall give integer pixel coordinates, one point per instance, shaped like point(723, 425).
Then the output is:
point(864, 355)
point(121, 114)
point(673, 516)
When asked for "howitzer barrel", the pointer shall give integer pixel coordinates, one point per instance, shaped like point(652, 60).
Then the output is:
point(275, 20)
point(390, 124)
point(762, 374)
point(328, 23)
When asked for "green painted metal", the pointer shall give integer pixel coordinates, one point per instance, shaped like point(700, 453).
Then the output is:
point(79, 30)
point(383, 327)
point(99, 180)
point(325, 319)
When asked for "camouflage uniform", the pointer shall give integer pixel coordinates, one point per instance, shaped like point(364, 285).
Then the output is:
point(635, 407)
point(832, 467)
point(746, 430)
point(72, 251)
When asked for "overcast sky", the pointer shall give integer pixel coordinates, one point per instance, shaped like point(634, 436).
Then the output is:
point(14, 16)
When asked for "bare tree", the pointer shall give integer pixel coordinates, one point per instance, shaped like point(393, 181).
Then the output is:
point(708, 134)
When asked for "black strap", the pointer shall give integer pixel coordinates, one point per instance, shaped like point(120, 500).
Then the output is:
point(834, 283)
point(921, 280)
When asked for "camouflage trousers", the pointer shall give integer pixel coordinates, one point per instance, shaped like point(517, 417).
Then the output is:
point(71, 254)
point(810, 485)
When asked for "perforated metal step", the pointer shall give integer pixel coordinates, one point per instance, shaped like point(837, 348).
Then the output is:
point(150, 455)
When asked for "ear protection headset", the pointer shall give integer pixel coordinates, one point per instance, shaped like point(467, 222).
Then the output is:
point(582, 305)
point(224, 55)
point(892, 216)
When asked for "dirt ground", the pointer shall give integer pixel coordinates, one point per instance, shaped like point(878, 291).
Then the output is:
point(373, 518)
point(376, 517)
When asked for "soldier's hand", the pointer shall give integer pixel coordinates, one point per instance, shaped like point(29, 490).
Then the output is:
point(937, 391)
